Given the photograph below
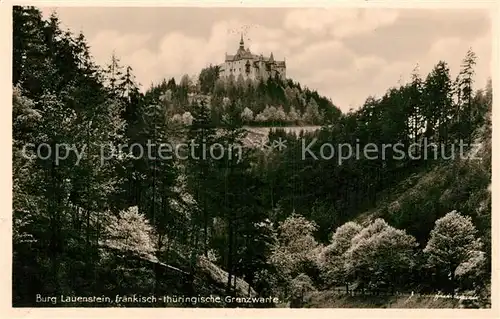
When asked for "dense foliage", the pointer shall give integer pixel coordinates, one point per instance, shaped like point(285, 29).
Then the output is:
point(90, 219)
point(264, 102)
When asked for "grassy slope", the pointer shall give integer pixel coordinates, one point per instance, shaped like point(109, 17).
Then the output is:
point(456, 184)
point(329, 300)
point(460, 184)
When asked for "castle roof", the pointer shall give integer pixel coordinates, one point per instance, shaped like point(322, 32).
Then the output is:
point(246, 54)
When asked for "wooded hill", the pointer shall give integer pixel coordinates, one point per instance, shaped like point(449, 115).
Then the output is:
point(270, 102)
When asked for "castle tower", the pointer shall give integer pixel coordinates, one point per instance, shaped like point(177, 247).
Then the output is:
point(242, 44)
point(241, 50)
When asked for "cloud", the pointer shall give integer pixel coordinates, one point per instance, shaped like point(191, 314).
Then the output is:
point(121, 43)
point(341, 23)
point(332, 51)
point(369, 62)
point(177, 54)
point(312, 20)
point(349, 78)
point(453, 49)
point(320, 55)
point(379, 76)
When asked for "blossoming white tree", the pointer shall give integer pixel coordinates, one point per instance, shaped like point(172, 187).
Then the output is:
point(453, 247)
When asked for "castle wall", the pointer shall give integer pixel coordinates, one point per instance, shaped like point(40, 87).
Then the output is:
point(235, 68)
point(239, 67)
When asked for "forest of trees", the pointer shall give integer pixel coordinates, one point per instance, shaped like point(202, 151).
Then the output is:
point(270, 102)
point(267, 223)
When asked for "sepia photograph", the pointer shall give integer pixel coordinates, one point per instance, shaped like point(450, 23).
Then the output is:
point(251, 157)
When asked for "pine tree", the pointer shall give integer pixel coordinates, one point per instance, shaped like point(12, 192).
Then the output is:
point(438, 104)
point(465, 90)
point(201, 170)
point(157, 172)
point(114, 72)
point(415, 97)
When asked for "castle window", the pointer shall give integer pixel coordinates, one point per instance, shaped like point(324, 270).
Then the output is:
point(247, 67)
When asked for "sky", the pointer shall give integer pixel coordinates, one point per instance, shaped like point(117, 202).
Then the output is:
point(346, 54)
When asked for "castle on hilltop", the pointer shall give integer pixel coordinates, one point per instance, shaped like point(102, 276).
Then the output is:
point(251, 66)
